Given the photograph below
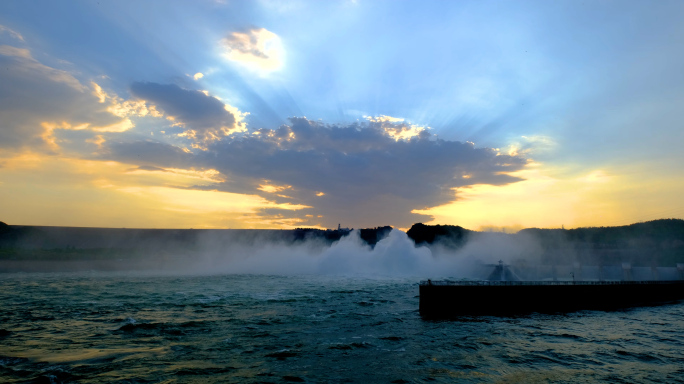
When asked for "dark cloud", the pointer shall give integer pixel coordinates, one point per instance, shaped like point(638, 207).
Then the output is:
point(205, 116)
point(357, 174)
point(367, 177)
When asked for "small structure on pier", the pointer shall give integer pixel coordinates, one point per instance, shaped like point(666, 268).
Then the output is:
point(503, 272)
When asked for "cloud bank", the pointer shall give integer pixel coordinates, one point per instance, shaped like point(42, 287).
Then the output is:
point(366, 175)
point(358, 174)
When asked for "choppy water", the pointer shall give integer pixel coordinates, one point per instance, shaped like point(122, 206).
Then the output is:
point(237, 328)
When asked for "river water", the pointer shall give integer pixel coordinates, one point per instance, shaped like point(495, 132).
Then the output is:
point(135, 328)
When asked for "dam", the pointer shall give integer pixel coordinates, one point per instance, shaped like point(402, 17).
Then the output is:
point(499, 295)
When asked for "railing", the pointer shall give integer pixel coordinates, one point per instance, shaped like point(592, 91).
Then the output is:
point(517, 283)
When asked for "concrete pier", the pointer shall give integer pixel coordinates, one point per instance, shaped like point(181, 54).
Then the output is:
point(457, 298)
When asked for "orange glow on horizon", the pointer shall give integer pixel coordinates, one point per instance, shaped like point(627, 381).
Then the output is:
point(40, 189)
point(546, 201)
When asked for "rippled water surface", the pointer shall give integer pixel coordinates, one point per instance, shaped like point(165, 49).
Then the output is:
point(100, 327)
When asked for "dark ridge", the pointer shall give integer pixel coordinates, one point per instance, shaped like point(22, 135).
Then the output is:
point(656, 230)
point(652, 243)
point(657, 242)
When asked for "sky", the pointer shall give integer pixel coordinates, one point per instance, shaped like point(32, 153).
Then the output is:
point(492, 115)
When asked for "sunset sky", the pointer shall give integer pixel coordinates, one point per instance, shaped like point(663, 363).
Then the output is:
point(272, 114)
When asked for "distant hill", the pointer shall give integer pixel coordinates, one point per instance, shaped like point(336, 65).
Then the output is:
point(647, 233)
point(654, 242)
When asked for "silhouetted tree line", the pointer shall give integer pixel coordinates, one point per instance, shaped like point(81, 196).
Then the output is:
point(370, 235)
point(450, 235)
point(373, 235)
